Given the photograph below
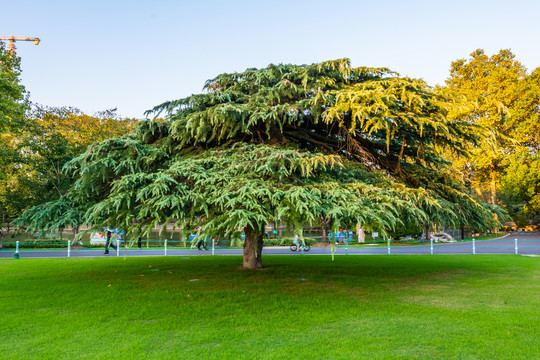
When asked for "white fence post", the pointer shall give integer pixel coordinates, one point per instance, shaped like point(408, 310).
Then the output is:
point(473, 247)
point(165, 247)
point(431, 246)
point(389, 246)
point(213, 245)
point(69, 248)
point(117, 247)
point(516, 245)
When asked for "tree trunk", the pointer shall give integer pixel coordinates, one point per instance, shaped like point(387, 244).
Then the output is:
point(462, 232)
point(426, 230)
point(324, 223)
point(493, 187)
point(75, 230)
point(250, 249)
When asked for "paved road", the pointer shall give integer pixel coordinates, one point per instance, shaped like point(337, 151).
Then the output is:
point(528, 243)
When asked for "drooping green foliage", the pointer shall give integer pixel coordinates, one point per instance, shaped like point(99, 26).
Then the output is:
point(285, 143)
point(251, 184)
point(53, 215)
point(367, 114)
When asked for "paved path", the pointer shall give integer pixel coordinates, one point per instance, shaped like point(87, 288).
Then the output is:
point(528, 243)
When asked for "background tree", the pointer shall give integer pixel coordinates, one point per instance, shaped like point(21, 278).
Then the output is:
point(521, 181)
point(285, 143)
point(492, 85)
point(13, 99)
point(506, 100)
point(58, 135)
point(13, 105)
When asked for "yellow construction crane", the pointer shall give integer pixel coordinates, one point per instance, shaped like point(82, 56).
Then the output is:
point(12, 39)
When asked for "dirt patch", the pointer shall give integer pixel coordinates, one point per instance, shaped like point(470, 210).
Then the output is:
point(448, 274)
point(321, 244)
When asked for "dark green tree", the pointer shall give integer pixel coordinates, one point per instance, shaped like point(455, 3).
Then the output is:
point(285, 143)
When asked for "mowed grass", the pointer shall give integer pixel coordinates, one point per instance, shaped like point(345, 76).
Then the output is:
point(298, 307)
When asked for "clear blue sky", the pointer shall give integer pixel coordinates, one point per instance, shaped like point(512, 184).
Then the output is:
point(133, 55)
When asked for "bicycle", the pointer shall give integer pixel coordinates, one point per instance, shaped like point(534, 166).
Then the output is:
point(294, 247)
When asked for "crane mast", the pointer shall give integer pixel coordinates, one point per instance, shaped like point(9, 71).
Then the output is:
point(11, 46)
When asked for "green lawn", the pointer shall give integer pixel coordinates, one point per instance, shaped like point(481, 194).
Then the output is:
point(299, 307)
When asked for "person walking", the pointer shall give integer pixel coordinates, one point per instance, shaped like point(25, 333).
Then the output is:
point(201, 242)
point(200, 239)
point(108, 242)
